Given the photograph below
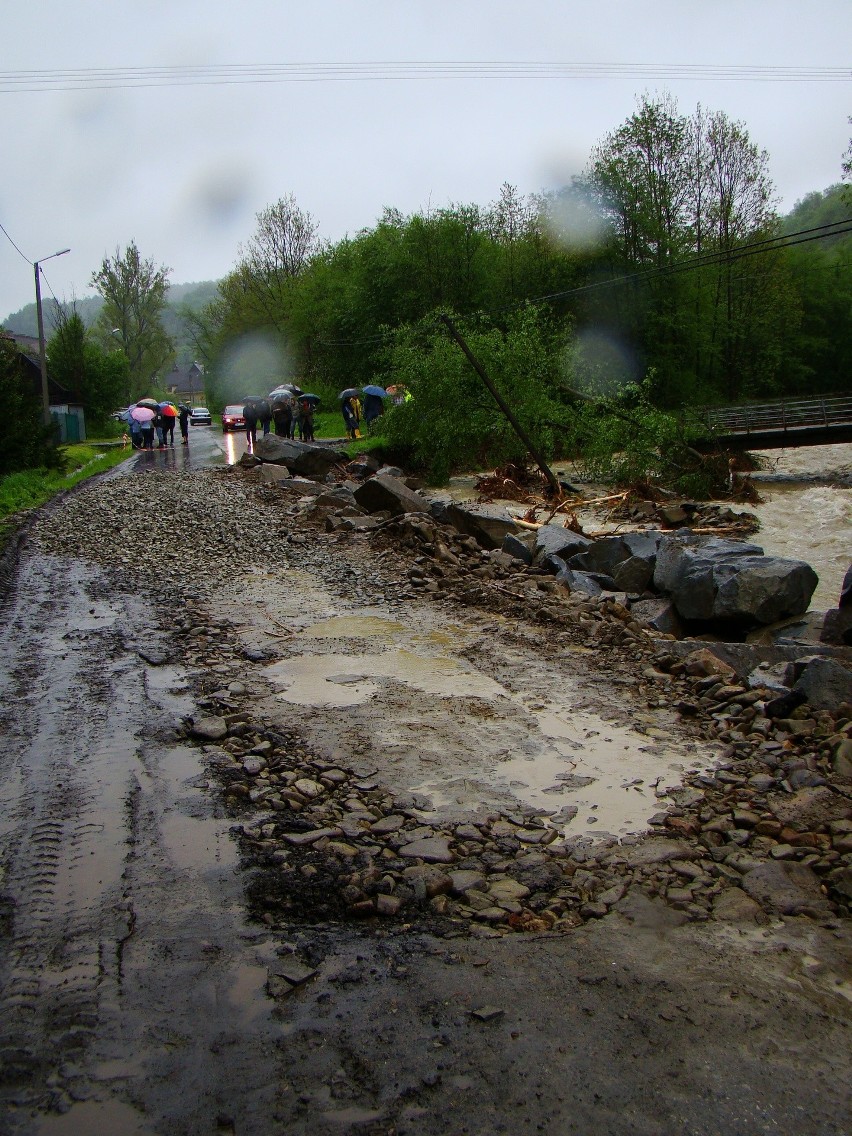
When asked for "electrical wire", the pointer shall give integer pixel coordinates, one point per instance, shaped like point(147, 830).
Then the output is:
point(706, 260)
point(229, 74)
point(14, 246)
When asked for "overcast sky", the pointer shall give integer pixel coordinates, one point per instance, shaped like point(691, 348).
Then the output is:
point(184, 169)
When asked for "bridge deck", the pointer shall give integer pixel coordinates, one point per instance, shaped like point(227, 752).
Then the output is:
point(791, 422)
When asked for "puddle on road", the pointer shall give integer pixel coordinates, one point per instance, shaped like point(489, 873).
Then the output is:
point(92, 1118)
point(465, 742)
point(355, 627)
point(592, 777)
point(610, 774)
point(345, 680)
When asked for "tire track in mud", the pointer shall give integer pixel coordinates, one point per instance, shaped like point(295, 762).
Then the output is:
point(122, 934)
point(60, 857)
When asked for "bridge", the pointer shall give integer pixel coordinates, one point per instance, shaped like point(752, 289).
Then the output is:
point(773, 425)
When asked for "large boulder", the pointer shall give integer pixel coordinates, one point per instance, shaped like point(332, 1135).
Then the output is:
point(657, 613)
point(608, 552)
point(825, 684)
point(386, 493)
point(713, 579)
point(299, 457)
point(554, 540)
point(487, 524)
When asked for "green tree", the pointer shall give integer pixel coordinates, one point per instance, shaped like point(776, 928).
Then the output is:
point(134, 292)
point(95, 378)
point(25, 441)
point(452, 421)
point(682, 194)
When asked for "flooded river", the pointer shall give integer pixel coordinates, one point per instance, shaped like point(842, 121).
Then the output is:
point(806, 513)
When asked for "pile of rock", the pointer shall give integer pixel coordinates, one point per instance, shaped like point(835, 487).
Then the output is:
point(769, 831)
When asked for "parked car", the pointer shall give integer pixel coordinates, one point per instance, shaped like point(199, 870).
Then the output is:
point(200, 416)
point(232, 419)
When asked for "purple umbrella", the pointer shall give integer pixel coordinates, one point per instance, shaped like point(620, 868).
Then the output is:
point(142, 414)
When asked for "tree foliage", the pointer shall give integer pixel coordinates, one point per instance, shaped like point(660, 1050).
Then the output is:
point(134, 292)
point(659, 271)
point(25, 441)
point(94, 377)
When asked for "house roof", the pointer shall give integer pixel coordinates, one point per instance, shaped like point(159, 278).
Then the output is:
point(28, 346)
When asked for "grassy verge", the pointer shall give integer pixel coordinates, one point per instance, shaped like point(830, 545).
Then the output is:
point(30, 488)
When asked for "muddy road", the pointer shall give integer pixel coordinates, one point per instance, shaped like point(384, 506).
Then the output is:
point(148, 982)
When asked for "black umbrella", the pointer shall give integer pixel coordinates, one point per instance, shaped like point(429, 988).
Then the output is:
point(314, 398)
point(350, 392)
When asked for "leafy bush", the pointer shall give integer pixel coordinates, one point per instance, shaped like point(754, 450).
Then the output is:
point(452, 421)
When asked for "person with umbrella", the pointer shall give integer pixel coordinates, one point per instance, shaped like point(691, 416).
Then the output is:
point(168, 413)
point(282, 415)
point(264, 415)
point(350, 406)
point(250, 416)
point(307, 405)
point(373, 406)
point(145, 416)
point(183, 417)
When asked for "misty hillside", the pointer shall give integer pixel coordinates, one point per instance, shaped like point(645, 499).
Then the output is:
point(194, 296)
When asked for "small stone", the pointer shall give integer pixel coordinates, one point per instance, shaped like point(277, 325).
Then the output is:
point(388, 904)
point(487, 1013)
point(301, 838)
point(387, 825)
point(210, 729)
point(432, 849)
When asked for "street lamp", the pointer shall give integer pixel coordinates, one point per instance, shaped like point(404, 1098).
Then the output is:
point(45, 398)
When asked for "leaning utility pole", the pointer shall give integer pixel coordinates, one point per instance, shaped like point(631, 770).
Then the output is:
point(515, 424)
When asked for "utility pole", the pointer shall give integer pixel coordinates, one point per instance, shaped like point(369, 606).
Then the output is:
point(42, 353)
point(513, 422)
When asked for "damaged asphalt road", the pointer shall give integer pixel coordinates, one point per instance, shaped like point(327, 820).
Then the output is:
point(149, 982)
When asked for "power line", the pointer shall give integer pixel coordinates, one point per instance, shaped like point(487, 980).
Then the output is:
point(705, 260)
point(229, 74)
point(15, 247)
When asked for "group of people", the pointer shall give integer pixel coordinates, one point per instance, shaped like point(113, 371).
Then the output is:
point(162, 425)
point(288, 416)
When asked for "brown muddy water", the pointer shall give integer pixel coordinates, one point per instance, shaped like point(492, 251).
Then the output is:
point(463, 713)
point(806, 513)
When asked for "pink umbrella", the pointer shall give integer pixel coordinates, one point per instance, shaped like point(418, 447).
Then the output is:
point(142, 414)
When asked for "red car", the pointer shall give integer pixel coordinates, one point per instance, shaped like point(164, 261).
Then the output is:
point(232, 419)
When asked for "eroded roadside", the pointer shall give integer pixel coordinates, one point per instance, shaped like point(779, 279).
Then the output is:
point(407, 1002)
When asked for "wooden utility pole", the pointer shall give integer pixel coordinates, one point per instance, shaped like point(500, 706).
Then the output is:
point(515, 424)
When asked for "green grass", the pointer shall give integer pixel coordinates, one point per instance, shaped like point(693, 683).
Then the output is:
point(30, 488)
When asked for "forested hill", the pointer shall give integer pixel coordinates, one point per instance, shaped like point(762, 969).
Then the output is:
point(193, 296)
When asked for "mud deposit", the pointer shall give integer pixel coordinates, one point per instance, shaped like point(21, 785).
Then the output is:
point(180, 953)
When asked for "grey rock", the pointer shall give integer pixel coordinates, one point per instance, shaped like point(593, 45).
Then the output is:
point(733, 905)
point(211, 729)
point(634, 574)
point(837, 626)
point(299, 457)
point(825, 684)
point(520, 547)
point(466, 880)
point(558, 541)
point(809, 807)
point(609, 552)
point(657, 851)
point(487, 524)
point(786, 888)
point(432, 849)
point(273, 474)
point(156, 656)
point(713, 579)
point(658, 613)
point(576, 581)
point(385, 492)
